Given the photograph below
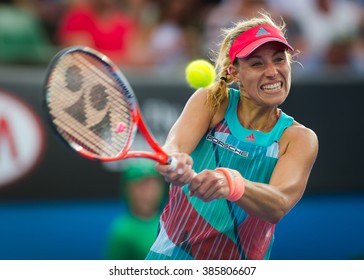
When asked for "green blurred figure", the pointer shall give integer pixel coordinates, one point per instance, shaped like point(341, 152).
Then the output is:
point(133, 232)
point(23, 38)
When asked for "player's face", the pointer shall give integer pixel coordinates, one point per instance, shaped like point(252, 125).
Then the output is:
point(265, 75)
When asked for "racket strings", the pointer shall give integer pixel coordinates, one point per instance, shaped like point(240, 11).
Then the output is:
point(78, 133)
point(119, 112)
point(86, 105)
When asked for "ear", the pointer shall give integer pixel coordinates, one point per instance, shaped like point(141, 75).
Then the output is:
point(234, 73)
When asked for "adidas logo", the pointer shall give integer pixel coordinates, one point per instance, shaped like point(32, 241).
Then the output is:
point(261, 32)
point(250, 137)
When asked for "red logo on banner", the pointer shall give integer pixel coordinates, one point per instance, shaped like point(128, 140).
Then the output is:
point(7, 136)
point(21, 139)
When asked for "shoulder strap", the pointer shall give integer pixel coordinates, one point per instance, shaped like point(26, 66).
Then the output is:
point(283, 122)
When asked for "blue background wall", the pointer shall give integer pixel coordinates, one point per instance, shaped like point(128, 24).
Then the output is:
point(329, 227)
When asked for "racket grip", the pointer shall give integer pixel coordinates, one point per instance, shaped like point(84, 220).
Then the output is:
point(172, 162)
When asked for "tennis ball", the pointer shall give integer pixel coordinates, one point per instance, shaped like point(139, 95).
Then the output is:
point(200, 73)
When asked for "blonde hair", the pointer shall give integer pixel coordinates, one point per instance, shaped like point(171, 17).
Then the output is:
point(218, 91)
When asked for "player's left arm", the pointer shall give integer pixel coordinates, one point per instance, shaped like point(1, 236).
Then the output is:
point(287, 184)
point(289, 179)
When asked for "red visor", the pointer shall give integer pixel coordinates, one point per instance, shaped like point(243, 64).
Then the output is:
point(253, 38)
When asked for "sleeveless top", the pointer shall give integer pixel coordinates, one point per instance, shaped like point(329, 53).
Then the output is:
point(192, 229)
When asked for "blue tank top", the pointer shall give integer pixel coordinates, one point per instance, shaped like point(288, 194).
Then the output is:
point(192, 229)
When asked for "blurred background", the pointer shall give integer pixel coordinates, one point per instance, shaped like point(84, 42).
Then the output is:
point(57, 205)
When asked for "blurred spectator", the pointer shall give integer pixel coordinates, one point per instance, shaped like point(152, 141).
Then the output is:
point(172, 39)
point(99, 24)
point(145, 13)
point(133, 232)
point(337, 55)
point(357, 58)
point(49, 13)
point(224, 14)
point(330, 28)
point(22, 37)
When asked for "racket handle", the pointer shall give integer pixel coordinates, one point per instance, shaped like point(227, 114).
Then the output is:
point(172, 162)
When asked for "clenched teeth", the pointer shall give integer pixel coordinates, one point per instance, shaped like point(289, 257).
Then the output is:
point(272, 87)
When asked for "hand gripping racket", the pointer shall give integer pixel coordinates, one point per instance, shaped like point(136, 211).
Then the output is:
point(93, 108)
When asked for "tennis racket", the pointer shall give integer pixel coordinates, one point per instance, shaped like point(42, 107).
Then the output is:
point(92, 107)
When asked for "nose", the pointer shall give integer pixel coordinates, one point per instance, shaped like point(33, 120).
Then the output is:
point(271, 70)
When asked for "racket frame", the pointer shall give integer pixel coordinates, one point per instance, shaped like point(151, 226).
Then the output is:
point(138, 124)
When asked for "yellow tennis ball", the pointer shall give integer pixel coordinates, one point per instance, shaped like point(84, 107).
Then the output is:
point(200, 73)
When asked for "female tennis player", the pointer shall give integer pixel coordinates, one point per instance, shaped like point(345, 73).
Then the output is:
point(242, 162)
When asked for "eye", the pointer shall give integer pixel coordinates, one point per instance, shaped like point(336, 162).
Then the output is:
point(279, 59)
point(256, 64)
